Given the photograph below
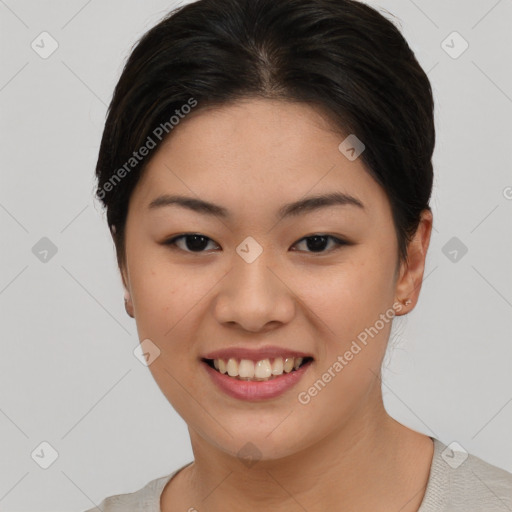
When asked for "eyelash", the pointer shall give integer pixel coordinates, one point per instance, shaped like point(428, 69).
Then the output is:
point(338, 241)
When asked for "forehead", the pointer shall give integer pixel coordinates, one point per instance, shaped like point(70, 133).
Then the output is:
point(256, 154)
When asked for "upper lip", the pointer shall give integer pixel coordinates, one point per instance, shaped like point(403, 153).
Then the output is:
point(254, 354)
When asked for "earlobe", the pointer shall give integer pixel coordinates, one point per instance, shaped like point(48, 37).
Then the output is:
point(411, 272)
point(128, 306)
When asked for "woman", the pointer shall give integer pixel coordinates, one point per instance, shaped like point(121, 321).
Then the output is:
point(266, 170)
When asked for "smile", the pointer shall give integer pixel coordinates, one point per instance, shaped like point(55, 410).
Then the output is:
point(240, 379)
point(257, 371)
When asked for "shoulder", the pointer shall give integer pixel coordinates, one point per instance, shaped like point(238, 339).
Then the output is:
point(460, 481)
point(147, 498)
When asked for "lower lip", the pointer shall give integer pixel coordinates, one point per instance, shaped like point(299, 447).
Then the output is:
point(256, 390)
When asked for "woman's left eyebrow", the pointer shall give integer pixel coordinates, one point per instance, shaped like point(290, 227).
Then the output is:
point(300, 207)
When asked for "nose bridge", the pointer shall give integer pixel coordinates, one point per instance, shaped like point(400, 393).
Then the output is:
point(251, 264)
point(252, 294)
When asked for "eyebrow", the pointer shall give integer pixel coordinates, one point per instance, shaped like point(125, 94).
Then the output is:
point(300, 207)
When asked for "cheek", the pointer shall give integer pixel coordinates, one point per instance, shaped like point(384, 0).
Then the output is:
point(350, 301)
point(351, 295)
point(168, 301)
point(351, 304)
point(165, 297)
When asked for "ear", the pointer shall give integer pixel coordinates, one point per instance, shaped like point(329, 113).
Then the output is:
point(128, 303)
point(408, 284)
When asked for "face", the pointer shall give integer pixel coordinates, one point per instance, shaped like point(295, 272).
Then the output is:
point(317, 281)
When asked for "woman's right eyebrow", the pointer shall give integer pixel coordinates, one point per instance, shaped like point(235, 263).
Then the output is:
point(296, 208)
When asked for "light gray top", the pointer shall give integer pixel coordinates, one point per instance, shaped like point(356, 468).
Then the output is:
point(458, 482)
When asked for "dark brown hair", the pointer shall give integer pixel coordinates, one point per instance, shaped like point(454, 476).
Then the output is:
point(340, 55)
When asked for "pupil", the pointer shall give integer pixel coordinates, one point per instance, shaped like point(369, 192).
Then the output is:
point(316, 243)
point(198, 242)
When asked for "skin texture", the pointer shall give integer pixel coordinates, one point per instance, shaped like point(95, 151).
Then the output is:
point(341, 451)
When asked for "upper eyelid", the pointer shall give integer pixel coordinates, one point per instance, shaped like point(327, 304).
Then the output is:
point(339, 240)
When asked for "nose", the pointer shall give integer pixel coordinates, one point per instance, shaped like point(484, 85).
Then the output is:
point(255, 296)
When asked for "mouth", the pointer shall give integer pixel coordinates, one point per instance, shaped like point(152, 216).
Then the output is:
point(257, 371)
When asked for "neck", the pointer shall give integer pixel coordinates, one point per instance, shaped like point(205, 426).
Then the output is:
point(372, 464)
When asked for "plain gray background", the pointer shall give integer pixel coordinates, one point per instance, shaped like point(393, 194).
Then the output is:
point(68, 375)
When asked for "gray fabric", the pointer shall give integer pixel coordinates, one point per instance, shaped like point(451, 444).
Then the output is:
point(472, 486)
point(455, 484)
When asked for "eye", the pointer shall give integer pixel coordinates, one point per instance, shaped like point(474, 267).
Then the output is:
point(194, 242)
point(317, 242)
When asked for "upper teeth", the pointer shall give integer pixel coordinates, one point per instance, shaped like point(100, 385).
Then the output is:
point(264, 369)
